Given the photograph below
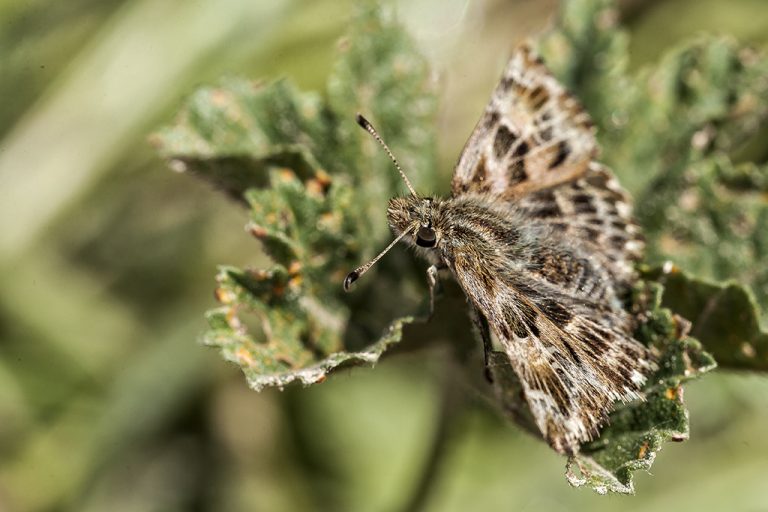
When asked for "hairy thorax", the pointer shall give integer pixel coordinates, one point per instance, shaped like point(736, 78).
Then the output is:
point(505, 245)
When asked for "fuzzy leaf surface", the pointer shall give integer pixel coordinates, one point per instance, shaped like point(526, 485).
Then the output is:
point(316, 187)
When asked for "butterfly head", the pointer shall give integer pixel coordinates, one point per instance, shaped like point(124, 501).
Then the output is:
point(413, 217)
point(410, 217)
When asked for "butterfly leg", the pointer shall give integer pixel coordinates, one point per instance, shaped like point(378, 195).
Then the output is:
point(481, 324)
point(433, 283)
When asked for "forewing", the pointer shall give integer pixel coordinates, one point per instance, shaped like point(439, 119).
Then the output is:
point(532, 135)
point(595, 213)
point(574, 357)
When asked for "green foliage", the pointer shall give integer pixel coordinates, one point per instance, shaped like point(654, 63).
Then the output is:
point(724, 318)
point(671, 134)
point(315, 185)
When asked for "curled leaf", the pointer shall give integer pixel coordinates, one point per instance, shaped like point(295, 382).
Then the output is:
point(724, 315)
point(314, 185)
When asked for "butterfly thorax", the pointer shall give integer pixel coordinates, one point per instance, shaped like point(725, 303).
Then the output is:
point(504, 244)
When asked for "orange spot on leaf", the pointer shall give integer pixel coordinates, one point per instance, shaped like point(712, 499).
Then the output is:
point(295, 282)
point(244, 357)
point(287, 174)
point(748, 350)
point(258, 231)
point(642, 451)
point(294, 268)
point(224, 296)
point(232, 320)
point(219, 97)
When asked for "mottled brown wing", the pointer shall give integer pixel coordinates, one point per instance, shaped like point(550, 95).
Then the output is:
point(532, 135)
point(573, 367)
point(594, 212)
point(566, 338)
point(547, 272)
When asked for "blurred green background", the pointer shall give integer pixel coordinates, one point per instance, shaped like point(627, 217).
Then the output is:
point(107, 261)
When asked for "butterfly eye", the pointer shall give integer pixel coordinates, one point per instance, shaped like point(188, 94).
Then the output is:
point(425, 237)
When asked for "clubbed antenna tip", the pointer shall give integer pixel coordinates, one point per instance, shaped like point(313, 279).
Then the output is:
point(362, 269)
point(363, 122)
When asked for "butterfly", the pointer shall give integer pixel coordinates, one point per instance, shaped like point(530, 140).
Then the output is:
point(540, 238)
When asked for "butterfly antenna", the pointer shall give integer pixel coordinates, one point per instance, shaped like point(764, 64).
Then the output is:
point(362, 269)
point(367, 126)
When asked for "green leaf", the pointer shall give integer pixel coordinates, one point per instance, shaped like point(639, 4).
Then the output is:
point(716, 228)
point(306, 349)
point(697, 105)
point(724, 315)
point(232, 134)
point(315, 185)
point(380, 74)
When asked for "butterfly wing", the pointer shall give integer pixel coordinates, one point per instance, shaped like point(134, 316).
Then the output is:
point(546, 269)
point(594, 211)
point(550, 292)
point(573, 367)
point(532, 135)
point(567, 339)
